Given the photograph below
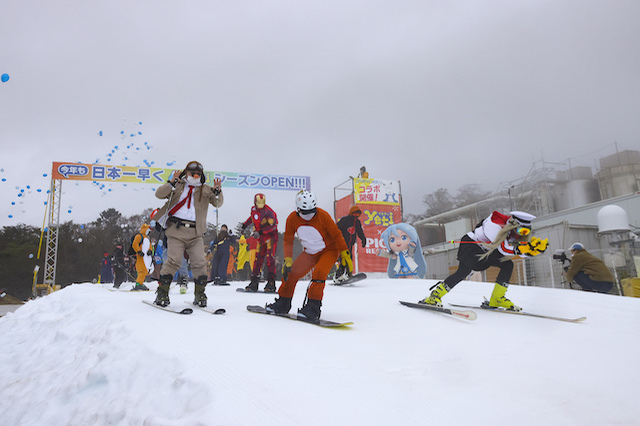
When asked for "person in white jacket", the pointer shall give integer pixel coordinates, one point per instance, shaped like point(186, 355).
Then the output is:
point(495, 240)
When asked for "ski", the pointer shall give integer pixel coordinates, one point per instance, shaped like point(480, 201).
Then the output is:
point(185, 311)
point(207, 309)
point(243, 290)
point(528, 314)
point(320, 322)
point(468, 315)
point(353, 279)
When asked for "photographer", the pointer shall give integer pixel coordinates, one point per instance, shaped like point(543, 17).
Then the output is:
point(588, 271)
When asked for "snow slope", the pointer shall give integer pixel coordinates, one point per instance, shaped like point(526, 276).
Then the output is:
point(88, 356)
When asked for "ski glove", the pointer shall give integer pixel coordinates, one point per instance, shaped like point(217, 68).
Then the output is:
point(149, 252)
point(345, 259)
point(286, 268)
point(538, 244)
point(534, 247)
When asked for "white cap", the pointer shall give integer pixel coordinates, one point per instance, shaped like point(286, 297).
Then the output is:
point(523, 218)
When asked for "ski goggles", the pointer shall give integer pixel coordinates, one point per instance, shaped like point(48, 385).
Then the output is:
point(522, 231)
point(194, 166)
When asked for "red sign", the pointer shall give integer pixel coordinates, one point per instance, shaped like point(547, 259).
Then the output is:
point(375, 218)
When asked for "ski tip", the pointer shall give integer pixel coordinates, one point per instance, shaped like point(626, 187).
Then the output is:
point(220, 311)
point(468, 315)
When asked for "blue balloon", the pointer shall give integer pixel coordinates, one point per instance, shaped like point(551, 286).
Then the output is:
point(5, 78)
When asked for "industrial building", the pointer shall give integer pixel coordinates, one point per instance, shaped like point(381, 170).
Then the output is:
point(569, 208)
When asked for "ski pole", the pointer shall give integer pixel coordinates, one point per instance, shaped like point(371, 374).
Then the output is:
point(467, 242)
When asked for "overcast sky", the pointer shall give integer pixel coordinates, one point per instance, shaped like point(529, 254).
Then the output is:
point(431, 93)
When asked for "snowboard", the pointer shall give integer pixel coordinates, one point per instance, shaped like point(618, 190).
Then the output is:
point(468, 315)
point(185, 311)
point(320, 322)
point(208, 309)
point(353, 279)
point(243, 290)
point(128, 289)
point(528, 314)
point(120, 289)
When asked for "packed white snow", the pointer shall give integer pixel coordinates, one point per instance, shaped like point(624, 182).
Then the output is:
point(88, 356)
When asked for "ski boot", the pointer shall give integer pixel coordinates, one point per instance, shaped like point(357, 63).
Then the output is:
point(200, 297)
point(253, 285)
point(162, 293)
point(282, 305)
point(311, 310)
point(499, 301)
point(140, 287)
point(434, 299)
point(339, 275)
point(270, 287)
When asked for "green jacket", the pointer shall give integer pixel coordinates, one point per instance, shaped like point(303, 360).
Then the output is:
point(595, 268)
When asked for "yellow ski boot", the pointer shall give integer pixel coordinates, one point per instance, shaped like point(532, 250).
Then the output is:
point(499, 301)
point(434, 299)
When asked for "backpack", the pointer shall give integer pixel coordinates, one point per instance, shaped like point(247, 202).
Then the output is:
point(132, 251)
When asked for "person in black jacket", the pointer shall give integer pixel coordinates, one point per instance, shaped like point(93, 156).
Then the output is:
point(119, 266)
point(220, 249)
point(351, 229)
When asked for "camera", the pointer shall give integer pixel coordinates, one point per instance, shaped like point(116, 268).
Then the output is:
point(561, 256)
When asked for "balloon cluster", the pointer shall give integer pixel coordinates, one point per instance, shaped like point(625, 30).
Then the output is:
point(130, 153)
point(21, 193)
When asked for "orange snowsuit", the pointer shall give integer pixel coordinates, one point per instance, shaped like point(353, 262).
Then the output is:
point(141, 268)
point(231, 266)
point(322, 242)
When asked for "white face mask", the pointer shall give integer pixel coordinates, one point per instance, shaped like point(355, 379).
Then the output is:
point(307, 216)
point(193, 181)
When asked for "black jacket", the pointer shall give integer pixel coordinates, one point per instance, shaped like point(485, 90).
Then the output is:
point(350, 226)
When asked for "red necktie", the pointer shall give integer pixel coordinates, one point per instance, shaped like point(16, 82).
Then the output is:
point(181, 203)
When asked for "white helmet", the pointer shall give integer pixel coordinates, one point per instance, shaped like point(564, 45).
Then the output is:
point(306, 201)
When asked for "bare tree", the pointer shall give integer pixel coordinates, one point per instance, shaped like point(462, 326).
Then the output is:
point(438, 202)
point(469, 194)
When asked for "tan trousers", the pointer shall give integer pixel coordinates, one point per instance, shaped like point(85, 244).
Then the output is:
point(179, 240)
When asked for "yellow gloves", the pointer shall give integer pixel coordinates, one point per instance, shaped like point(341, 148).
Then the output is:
point(286, 268)
point(345, 259)
point(534, 247)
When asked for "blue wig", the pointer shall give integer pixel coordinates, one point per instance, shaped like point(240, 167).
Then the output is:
point(417, 255)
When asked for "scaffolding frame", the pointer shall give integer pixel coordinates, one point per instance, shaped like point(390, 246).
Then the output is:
point(53, 230)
